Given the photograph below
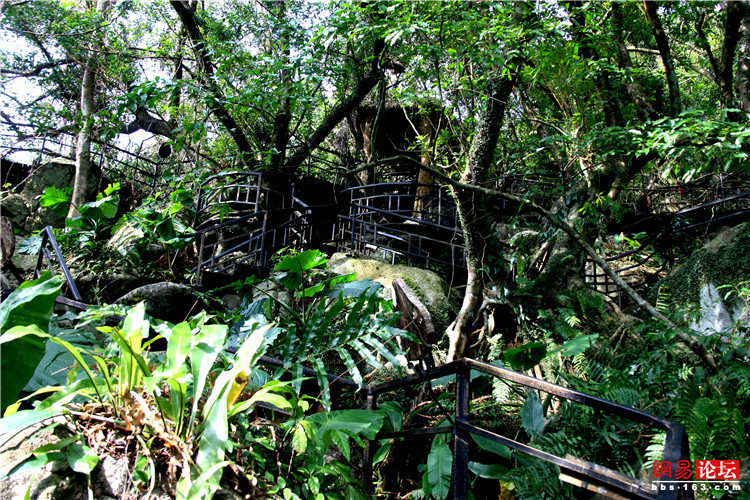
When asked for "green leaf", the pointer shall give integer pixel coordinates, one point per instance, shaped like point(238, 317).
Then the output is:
point(363, 423)
point(304, 261)
point(439, 469)
point(25, 418)
point(19, 332)
point(532, 414)
point(354, 289)
point(55, 198)
point(342, 441)
point(526, 356)
point(382, 452)
point(81, 458)
point(576, 345)
point(31, 303)
point(488, 471)
point(299, 438)
point(180, 341)
point(492, 446)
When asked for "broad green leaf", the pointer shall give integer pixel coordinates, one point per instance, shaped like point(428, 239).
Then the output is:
point(180, 341)
point(35, 461)
point(299, 438)
point(492, 446)
point(25, 418)
point(526, 356)
point(81, 458)
point(30, 304)
point(20, 331)
point(382, 452)
point(532, 414)
point(577, 345)
point(439, 469)
point(354, 289)
point(488, 471)
point(304, 261)
point(363, 423)
point(342, 441)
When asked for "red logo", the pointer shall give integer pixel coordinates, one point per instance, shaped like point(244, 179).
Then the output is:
point(717, 470)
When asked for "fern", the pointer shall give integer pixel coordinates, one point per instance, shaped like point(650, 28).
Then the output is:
point(624, 396)
point(364, 338)
point(655, 449)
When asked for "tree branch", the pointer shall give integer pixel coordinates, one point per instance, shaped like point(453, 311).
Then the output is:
point(37, 69)
point(209, 80)
point(662, 43)
point(691, 342)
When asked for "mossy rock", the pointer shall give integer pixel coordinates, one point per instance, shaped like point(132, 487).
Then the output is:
point(697, 283)
point(725, 260)
point(431, 288)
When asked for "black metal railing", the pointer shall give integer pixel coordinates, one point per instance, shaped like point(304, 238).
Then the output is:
point(577, 471)
point(51, 257)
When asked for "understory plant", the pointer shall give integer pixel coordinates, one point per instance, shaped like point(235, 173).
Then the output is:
point(183, 410)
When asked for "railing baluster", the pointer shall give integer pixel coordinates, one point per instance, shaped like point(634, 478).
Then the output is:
point(461, 436)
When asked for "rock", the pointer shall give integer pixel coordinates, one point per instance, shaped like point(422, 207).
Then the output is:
point(48, 482)
point(273, 289)
point(231, 301)
point(14, 207)
point(697, 283)
point(7, 240)
point(58, 172)
point(111, 477)
point(172, 302)
point(125, 239)
point(431, 288)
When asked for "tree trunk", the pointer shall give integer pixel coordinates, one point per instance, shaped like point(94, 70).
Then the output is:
point(208, 80)
point(675, 103)
point(83, 146)
point(472, 210)
point(742, 80)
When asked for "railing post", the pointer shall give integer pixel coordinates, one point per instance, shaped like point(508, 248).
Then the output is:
point(461, 436)
point(372, 400)
point(673, 452)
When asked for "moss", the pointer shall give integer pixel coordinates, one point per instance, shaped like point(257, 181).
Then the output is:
point(429, 287)
point(725, 260)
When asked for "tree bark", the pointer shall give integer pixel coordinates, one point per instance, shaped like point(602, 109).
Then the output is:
point(471, 207)
point(742, 79)
point(208, 79)
point(83, 146)
point(662, 43)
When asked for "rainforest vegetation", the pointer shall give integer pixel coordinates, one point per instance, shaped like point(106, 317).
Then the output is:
point(563, 133)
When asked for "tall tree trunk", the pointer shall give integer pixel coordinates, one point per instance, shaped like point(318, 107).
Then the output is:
point(636, 92)
point(662, 42)
point(208, 79)
point(723, 68)
point(280, 136)
point(742, 80)
point(83, 147)
point(472, 210)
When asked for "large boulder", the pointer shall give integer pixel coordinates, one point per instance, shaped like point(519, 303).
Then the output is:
point(701, 284)
point(172, 302)
point(15, 207)
point(431, 288)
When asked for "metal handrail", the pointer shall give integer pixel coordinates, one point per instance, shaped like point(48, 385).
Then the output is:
point(675, 448)
point(46, 256)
